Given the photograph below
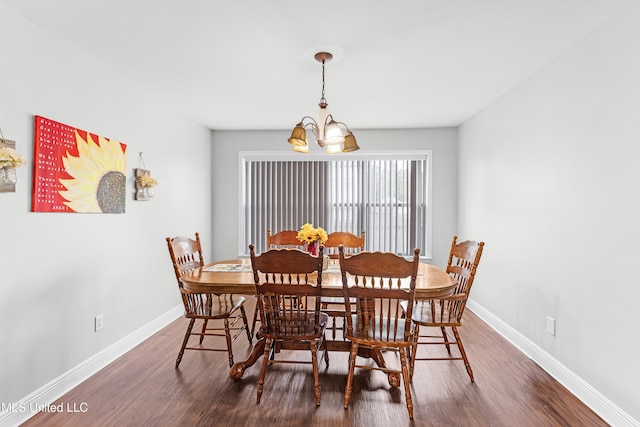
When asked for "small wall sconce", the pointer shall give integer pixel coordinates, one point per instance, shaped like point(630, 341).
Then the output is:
point(10, 159)
point(144, 181)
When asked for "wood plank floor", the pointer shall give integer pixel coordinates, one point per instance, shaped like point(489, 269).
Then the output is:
point(142, 388)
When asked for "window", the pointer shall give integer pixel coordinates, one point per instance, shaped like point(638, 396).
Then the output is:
point(385, 194)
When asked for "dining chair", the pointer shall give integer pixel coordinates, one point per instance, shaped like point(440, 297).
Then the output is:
point(379, 282)
point(288, 287)
point(284, 239)
point(447, 312)
point(186, 255)
point(352, 244)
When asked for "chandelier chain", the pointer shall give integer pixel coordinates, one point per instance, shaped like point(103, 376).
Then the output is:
point(322, 98)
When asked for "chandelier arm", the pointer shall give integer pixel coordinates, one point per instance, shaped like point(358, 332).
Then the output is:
point(328, 120)
point(313, 121)
point(343, 124)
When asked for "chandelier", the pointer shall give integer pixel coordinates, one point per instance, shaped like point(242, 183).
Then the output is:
point(328, 132)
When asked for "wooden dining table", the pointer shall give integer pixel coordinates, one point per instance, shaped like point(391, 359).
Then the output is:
point(235, 276)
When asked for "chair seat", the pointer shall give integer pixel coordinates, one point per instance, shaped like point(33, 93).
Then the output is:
point(390, 334)
point(424, 315)
point(212, 306)
point(293, 328)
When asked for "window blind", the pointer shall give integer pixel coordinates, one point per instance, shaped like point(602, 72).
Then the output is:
point(386, 197)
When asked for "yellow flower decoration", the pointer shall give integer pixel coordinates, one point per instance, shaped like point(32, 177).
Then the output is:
point(147, 181)
point(10, 158)
point(309, 234)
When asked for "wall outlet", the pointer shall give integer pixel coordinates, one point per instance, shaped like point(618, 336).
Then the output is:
point(551, 326)
point(99, 322)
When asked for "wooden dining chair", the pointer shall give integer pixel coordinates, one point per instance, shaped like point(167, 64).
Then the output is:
point(379, 282)
point(447, 312)
point(285, 239)
point(186, 255)
point(288, 286)
point(352, 244)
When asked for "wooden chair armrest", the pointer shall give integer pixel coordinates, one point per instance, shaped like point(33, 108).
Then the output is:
point(455, 297)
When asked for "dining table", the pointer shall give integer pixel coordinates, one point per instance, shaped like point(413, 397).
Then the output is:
point(235, 276)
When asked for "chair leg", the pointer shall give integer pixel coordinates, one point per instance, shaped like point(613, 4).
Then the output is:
point(414, 351)
point(462, 352)
point(184, 342)
point(246, 324)
point(446, 339)
point(344, 328)
point(227, 333)
point(405, 379)
point(326, 351)
point(255, 319)
point(352, 367)
point(263, 371)
point(333, 327)
point(314, 362)
point(204, 330)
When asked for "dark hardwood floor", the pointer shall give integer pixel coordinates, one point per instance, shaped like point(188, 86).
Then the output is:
point(142, 388)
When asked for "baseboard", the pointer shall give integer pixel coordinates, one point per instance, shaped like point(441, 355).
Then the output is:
point(602, 406)
point(18, 412)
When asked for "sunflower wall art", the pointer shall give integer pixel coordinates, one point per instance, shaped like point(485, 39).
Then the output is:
point(76, 171)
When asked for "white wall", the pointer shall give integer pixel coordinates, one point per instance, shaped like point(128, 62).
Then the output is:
point(227, 144)
point(549, 179)
point(60, 270)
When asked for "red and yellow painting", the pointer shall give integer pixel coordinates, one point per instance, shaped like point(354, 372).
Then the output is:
point(77, 171)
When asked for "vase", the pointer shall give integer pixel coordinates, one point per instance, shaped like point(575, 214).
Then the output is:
point(8, 175)
point(312, 248)
point(142, 194)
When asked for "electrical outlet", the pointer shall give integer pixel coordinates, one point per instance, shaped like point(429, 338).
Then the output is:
point(99, 322)
point(551, 326)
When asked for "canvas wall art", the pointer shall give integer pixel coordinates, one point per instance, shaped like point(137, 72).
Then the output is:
point(77, 171)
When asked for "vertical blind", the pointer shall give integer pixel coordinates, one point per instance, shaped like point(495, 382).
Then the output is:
point(384, 196)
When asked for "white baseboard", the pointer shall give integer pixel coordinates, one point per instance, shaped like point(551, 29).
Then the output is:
point(18, 412)
point(598, 403)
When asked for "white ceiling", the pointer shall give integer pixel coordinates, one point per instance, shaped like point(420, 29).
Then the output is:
point(248, 64)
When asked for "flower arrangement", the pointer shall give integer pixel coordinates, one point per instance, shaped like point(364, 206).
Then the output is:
point(308, 234)
point(147, 181)
point(10, 158)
